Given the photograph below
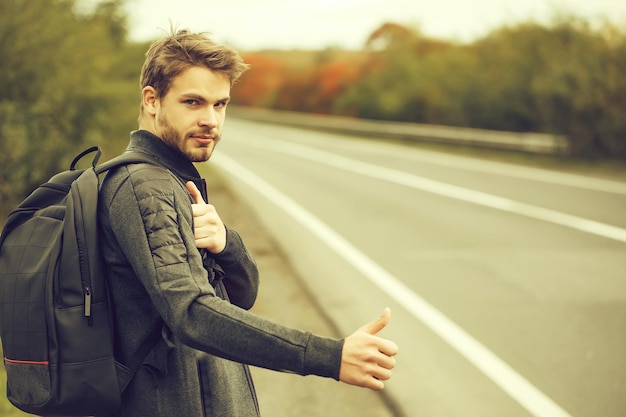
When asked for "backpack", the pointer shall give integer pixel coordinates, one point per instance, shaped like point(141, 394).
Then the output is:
point(56, 323)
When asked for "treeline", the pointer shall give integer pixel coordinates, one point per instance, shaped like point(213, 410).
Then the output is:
point(564, 78)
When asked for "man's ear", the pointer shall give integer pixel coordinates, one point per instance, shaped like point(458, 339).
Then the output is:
point(149, 99)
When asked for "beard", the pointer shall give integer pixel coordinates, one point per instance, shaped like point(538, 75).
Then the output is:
point(176, 140)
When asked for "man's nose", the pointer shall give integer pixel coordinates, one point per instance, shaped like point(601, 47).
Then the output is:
point(209, 118)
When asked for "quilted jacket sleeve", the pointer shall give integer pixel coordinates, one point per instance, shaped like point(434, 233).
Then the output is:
point(151, 218)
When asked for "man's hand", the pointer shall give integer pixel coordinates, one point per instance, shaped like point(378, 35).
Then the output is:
point(366, 359)
point(209, 230)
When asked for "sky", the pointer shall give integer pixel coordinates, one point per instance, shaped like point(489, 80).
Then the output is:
point(317, 24)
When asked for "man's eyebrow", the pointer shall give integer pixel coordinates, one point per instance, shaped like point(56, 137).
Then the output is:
point(199, 97)
point(187, 96)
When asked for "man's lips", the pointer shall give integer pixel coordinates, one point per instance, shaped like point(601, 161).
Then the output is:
point(204, 139)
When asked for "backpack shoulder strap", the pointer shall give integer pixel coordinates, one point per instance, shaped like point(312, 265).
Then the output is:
point(130, 157)
point(136, 360)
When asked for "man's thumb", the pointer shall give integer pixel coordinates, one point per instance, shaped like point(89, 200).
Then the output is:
point(195, 193)
point(378, 324)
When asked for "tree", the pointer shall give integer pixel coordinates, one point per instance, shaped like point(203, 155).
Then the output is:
point(396, 81)
point(59, 88)
point(259, 86)
point(564, 79)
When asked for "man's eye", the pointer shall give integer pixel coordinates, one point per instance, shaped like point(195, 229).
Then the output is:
point(191, 102)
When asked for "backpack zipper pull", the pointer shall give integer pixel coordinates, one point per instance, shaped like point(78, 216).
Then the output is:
point(88, 305)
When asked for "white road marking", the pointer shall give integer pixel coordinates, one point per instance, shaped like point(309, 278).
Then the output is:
point(448, 190)
point(444, 159)
point(494, 167)
point(519, 388)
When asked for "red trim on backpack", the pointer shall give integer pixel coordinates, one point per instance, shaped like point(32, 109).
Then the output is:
point(26, 362)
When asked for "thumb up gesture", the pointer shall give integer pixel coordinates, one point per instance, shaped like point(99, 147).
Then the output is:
point(209, 230)
point(366, 359)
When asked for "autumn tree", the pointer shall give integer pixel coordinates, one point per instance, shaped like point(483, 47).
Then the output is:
point(316, 88)
point(259, 86)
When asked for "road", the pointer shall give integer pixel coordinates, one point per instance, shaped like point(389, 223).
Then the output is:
point(507, 283)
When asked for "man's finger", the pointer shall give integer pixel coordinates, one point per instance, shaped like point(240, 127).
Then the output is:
point(195, 193)
point(375, 384)
point(378, 324)
point(387, 361)
point(382, 374)
point(387, 347)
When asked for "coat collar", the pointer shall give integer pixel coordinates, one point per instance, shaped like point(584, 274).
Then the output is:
point(172, 159)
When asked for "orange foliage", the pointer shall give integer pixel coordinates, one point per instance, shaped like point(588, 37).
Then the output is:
point(335, 76)
point(259, 85)
point(317, 89)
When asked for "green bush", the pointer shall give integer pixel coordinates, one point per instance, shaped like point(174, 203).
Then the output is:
point(64, 85)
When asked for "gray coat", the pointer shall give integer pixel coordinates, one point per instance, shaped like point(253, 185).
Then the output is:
point(199, 367)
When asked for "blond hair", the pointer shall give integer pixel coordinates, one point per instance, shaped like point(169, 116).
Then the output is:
point(168, 57)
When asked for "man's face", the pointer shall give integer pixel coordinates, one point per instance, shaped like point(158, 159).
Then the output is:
point(191, 115)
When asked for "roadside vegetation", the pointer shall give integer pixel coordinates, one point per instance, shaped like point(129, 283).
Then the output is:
point(566, 78)
point(69, 79)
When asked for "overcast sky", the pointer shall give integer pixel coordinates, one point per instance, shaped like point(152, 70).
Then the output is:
point(257, 24)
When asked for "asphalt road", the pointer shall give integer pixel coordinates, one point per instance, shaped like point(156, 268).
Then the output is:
point(507, 283)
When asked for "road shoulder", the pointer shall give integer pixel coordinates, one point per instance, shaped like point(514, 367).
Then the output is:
point(283, 298)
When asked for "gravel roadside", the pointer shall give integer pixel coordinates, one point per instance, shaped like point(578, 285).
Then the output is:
point(285, 299)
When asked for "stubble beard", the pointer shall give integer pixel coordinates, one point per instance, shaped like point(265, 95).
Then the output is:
point(174, 139)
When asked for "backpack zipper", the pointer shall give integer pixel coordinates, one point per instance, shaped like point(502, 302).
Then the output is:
point(87, 292)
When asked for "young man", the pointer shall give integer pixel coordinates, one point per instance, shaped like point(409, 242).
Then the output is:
point(170, 257)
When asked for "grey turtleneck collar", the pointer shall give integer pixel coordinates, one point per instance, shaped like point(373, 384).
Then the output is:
point(173, 159)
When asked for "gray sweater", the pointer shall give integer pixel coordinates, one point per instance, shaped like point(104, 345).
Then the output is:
point(199, 368)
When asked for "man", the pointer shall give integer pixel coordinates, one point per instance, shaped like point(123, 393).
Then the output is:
point(170, 257)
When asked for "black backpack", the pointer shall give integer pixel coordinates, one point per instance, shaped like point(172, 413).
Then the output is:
point(56, 323)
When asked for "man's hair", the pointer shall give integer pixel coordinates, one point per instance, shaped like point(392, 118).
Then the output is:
point(168, 57)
